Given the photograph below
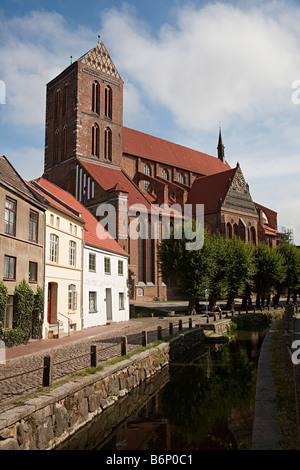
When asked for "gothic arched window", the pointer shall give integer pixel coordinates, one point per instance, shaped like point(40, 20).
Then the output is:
point(165, 174)
point(96, 98)
point(181, 178)
point(95, 140)
point(147, 170)
point(64, 142)
point(108, 144)
point(108, 102)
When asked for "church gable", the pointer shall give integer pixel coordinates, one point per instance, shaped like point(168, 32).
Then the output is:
point(99, 59)
point(238, 196)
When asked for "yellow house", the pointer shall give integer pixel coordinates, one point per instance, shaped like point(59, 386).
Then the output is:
point(63, 266)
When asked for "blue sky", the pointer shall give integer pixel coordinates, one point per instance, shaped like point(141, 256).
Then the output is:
point(186, 66)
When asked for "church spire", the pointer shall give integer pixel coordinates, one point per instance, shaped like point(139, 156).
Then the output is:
point(221, 153)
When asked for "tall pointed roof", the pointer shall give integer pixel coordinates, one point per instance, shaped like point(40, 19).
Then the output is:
point(99, 58)
point(221, 153)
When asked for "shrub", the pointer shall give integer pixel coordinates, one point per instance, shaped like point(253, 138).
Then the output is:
point(23, 302)
point(38, 312)
point(3, 303)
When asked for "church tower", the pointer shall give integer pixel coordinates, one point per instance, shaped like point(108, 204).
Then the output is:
point(84, 116)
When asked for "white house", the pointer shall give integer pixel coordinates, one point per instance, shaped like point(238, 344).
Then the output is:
point(63, 264)
point(99, 295)
point(105, 296)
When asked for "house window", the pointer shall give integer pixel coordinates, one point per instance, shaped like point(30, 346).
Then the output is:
point(147, 170)
point(92, 302)
point(165, 174)
point(72, 253)
point(95, 140)
point(107, 265)
point(108, 102)
point(181, 178)
point(10, 216)
point(147, 187)
point(33, 226)
point(53, 248)
point(72, 297)
point(121, 301)
point(92, 262)
point(9, 267)
point(70, 228)
point(57, 222)
point(51, 219)
point(32, 271)
point(120, 267)
point(96, 98)
point(9, 313)
point(107, 144)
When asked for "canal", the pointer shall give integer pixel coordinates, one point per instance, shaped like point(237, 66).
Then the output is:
point(203, 403)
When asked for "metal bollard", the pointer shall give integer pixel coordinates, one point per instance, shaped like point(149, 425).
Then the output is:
point(48, 371)
point(123, 345)
point(94, 355)
point(144, 338)
point(159, 332)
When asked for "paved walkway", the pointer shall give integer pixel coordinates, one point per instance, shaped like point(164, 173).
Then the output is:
point(266, 430)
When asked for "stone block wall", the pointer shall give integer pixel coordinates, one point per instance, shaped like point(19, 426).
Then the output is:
point(44, 422)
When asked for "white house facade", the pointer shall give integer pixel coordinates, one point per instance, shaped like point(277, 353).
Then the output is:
point(105, 297)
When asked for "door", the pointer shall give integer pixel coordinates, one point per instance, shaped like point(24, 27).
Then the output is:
point(108, 305)
point(49, 303)
point(52, 302)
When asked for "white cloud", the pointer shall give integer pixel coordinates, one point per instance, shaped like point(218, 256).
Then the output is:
point(220, 62)
point(33, 50)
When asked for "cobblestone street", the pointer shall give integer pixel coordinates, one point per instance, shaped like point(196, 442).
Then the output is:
point(23, 371)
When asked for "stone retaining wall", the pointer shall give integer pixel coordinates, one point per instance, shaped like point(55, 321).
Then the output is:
point(221, 327)
point(42, 423)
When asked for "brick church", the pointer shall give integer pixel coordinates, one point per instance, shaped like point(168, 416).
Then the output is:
point(89, 153)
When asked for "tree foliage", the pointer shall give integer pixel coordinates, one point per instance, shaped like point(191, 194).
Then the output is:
point(229, 268)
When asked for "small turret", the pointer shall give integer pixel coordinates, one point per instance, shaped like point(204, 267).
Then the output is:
point(221, 153)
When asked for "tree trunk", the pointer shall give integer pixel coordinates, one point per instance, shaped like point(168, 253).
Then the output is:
point(230, 302)
point(257, 300)
point(212, 303)
point(193, 306)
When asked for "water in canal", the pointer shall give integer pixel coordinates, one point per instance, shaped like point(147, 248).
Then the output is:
point(206, 403)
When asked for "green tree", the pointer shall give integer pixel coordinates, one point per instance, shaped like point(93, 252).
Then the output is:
point(239, 268)
point(193, 268)
point(270, 271)
point(218, 285)
point(291, 256)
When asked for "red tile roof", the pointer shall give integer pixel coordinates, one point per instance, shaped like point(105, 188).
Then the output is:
point(153, 148)
point(94, 233)
point(108, 177)
point(208, 190)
